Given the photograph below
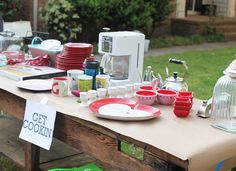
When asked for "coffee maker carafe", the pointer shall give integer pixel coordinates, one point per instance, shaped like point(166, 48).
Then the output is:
point(123, 56)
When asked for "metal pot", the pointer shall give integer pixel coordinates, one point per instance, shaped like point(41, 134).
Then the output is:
point(174, 82)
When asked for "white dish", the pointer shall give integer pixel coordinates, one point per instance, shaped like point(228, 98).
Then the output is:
point(51, 43)
point(122, 109)
point(35, 85)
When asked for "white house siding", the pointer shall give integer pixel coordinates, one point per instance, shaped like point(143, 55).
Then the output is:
point(180, 8)
point(225, 8)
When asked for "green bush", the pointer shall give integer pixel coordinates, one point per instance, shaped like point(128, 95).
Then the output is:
point(9, 9)
point(61, 19)
point(90, 16)
point(129, 15)
point(162, 9)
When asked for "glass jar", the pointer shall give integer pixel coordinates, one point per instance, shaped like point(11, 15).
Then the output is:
point(223, 109)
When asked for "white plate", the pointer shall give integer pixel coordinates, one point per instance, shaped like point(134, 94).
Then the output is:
point(122, 109)
point(35, 85)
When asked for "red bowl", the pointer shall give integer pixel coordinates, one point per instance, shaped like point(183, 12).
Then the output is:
point(185, 94)
point(181, 113)
point(181, 103)
point(182, 107)
point(166, 97)
point(147, 87)
point(183, 99)
point(145, 97)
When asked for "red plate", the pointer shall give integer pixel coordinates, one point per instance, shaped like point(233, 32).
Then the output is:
point(78, 45)
point(67, 68)
point(74, 57)
point(82, 48)
point(181, 113)
point(69, 65)
point(75, 53)
point(122, 109)
point(69, 61)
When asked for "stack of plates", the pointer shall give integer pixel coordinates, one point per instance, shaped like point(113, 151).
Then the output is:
point(73, 55)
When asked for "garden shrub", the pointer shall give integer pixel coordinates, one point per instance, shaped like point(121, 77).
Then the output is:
point(61, 19)
point(129, 15)
point(91, 17)
point(10, 9)
point(84, 19)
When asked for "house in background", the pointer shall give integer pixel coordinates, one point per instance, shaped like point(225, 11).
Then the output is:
point(225, 8)
point(193, 16)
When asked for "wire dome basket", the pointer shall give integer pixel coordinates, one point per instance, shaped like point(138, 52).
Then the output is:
point(223, 109)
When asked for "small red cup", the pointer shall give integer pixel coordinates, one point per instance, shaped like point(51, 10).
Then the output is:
point(181, 113)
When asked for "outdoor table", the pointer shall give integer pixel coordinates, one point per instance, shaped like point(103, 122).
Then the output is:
point(169, 142)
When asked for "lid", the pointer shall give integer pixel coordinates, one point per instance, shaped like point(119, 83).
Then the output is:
point(175, 78)
point(92, 64)
point(231, 69)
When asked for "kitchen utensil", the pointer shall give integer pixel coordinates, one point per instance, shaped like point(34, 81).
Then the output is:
point(85, 82)
point(35, 85)
point(60, 86)
point(123, 54)
point(175, 82)
point(223, 109)
point(92, 69)
point(166, 97)
point(204, 110)
point(145, 97)
point(123, 109)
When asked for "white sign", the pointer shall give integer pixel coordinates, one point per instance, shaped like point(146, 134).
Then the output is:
point(38, 124)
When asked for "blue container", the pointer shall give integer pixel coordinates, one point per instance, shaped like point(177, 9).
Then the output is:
point(92, 69)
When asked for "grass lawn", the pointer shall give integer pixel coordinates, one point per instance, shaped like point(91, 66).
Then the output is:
point(205, 67)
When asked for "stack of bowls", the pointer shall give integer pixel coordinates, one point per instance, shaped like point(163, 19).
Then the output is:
point(183, 104)
point(73, 56)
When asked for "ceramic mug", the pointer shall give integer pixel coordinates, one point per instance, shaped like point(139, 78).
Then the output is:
point(73, 78)
point(85, 82)
point(60, 86)
point(102, 81)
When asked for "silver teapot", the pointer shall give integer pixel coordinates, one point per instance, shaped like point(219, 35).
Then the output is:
point(175, 82)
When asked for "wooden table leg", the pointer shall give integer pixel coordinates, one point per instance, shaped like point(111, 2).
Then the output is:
point(32, 153)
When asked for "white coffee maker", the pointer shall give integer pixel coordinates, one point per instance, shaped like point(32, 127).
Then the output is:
point(123, 53)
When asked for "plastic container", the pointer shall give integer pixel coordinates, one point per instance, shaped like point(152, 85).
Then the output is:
point(92, 69)
point(38, 49)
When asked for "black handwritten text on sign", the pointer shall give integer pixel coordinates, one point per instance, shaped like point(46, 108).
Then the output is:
point(38, 125)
